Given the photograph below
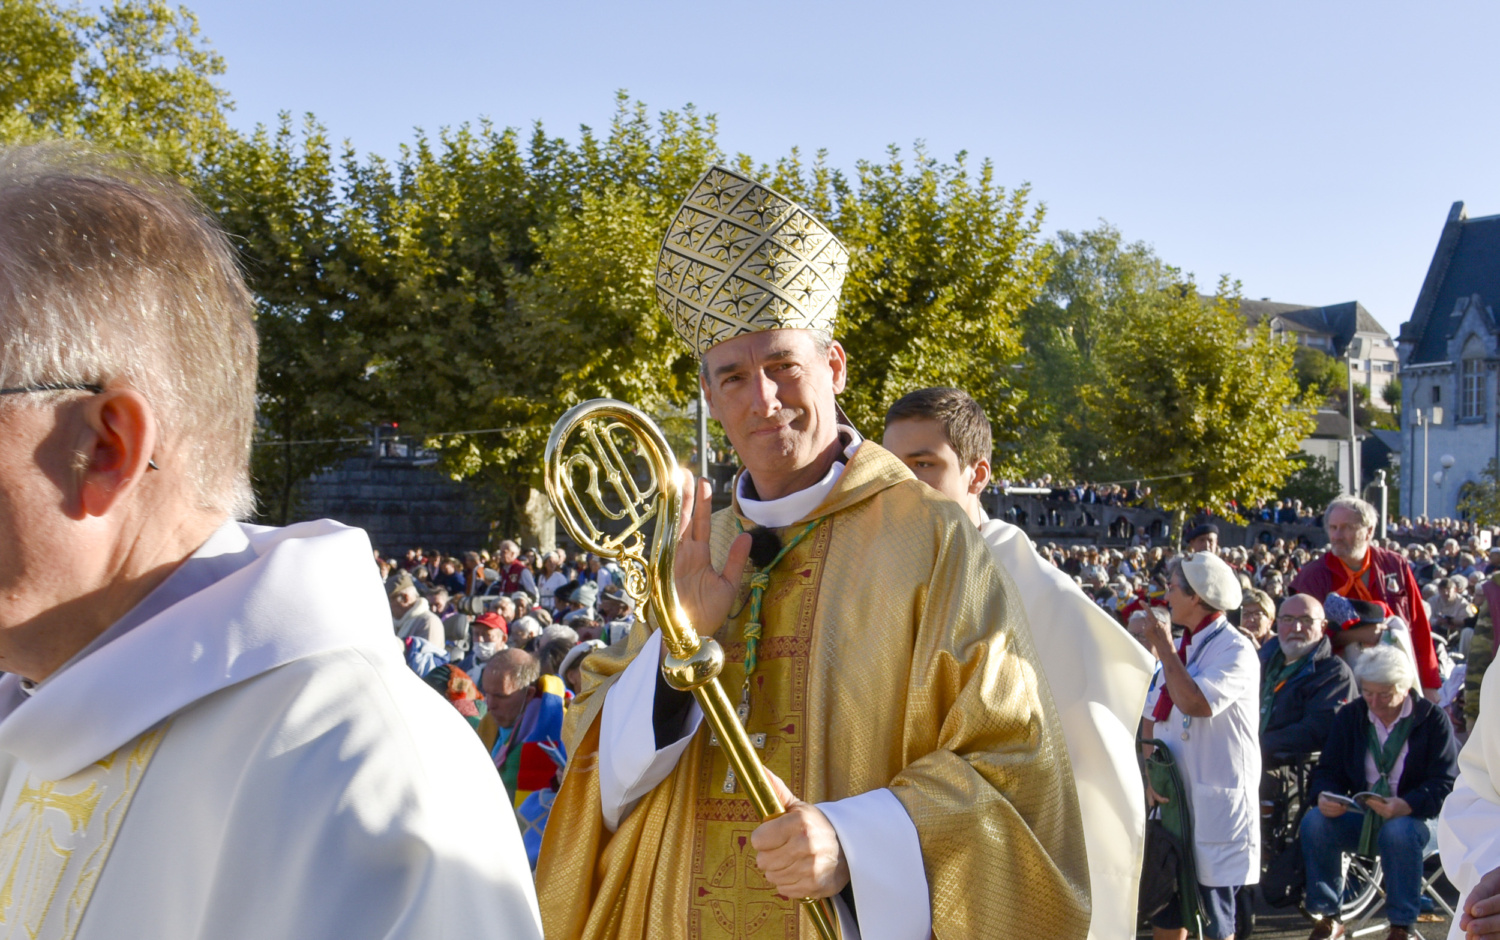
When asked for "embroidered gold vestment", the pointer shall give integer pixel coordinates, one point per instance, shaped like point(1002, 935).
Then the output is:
point(58, 837)
point(894, 654)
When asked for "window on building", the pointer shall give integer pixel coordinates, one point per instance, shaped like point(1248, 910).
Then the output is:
point(1472, 403)
point(1437, 394)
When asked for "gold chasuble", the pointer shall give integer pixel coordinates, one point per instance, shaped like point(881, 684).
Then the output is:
point(894, 654)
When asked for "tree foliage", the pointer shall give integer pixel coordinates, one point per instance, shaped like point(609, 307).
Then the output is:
point(1480, 502)
point(942, 264)
point(136, 75)
point(1098, 286)
point(1313, 481)
point(484, 279)
point(1209, 411)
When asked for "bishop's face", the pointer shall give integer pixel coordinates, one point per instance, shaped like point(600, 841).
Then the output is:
point(773, 392)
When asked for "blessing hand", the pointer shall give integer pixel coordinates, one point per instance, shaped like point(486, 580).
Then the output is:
point(706, 594)
point(799, 851)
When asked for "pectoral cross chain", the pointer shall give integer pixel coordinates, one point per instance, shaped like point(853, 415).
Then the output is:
point(757, 741)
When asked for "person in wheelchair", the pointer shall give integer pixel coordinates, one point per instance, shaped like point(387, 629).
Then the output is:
point(1393, 753)
point(1302, 685)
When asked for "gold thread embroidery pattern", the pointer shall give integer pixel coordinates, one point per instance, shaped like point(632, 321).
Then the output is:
point(57, 838)
point(740, 258)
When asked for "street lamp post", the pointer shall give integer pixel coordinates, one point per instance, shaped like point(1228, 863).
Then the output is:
point(1425, 422)
point(1380, 485)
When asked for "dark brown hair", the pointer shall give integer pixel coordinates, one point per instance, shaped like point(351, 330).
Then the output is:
point(963, 421)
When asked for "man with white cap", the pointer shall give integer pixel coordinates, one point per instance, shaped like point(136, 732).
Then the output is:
point(1208, 715)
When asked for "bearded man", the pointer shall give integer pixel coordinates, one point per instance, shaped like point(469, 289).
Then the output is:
point(1355, 569)
point(881, 660)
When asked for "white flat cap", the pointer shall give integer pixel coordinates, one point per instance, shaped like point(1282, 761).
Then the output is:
point(1212, 580)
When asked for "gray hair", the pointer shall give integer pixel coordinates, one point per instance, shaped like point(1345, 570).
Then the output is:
point(1368, 517)
point(109, 274)
point(822, 342)
point(1384, 664)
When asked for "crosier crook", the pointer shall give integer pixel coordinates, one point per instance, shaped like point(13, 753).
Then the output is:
point(595, 431)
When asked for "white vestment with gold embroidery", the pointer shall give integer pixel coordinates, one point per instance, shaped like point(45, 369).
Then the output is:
point(246, 755)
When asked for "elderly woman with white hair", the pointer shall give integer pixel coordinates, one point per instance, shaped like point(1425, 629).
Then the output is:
point(1400, 747)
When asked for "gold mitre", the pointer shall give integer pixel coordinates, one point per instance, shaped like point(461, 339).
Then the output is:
point(740, 258)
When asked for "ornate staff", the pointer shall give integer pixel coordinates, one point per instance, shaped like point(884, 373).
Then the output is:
point(630, 475)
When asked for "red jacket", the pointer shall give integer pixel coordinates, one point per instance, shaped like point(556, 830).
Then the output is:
point(1391, 581)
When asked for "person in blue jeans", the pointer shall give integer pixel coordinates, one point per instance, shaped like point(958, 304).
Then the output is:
point(1399, 746)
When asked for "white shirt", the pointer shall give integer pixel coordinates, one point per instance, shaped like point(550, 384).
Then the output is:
point(1098, 675)
point(1219, 756)
point(1469, 824)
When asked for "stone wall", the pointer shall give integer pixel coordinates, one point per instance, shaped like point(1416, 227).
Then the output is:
point(1063, 523)
point(400, 502)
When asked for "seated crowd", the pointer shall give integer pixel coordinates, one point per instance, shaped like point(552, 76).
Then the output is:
point(1341, 657)
point(503, 637)
point(1337, 673)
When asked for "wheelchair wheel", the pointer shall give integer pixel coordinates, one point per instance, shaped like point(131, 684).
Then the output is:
point(1361, 886)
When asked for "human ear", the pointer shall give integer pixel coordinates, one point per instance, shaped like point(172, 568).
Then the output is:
point(117, 440)
point(838, 364)
point(981, 476)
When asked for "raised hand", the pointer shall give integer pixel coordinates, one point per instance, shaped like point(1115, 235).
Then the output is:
point(707, 594)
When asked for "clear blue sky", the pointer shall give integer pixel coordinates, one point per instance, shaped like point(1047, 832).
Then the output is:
point(1310, 150)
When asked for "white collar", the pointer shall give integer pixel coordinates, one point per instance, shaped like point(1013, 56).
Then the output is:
point(775, 513)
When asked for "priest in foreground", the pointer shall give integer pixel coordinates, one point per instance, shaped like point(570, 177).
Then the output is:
point(881, 661)
point(207, 729)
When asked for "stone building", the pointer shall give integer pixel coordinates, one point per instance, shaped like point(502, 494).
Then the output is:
point(1340, 330)
point(1448, 355)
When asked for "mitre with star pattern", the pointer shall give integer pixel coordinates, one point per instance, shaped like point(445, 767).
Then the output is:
point(740, 258)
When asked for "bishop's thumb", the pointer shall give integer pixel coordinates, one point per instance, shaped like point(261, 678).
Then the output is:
point(783, 792)
point(739, 554)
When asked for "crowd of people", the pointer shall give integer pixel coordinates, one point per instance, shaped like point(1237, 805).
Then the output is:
point(211, 728)
point(503, 635)
point(1355, 669)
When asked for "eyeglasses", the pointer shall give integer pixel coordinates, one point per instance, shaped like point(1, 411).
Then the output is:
point(64, 387)
point(53, 387)
point(1305, 622)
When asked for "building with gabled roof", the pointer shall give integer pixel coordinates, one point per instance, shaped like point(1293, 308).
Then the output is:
point(1340, 330)
point(1450, 352)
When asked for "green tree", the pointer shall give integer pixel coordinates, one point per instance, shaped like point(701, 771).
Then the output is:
point(1212, 413)
point(1313, 481)
point(942, 262)
point(278, 194)
point(504, 282)
point(1391, 395)
point(1480, 501)
point(1319, 372)
point(1096, 284)
point(137, 76)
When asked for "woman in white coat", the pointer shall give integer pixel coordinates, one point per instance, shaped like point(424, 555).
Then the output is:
point(1208, 715)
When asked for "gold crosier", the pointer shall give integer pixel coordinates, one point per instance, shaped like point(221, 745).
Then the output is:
point(632, 477)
